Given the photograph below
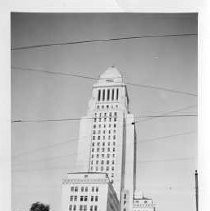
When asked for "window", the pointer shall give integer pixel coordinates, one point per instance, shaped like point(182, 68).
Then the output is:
point(99, 131)
point(114, 125)
point(94, 126)
point(72, 188)
point(75, 198)
point(117, 94)
point(108, 93)
point(70, 207)
point(113, 149)
point(85, 207)
point(93, 144)
point(95, 208)
point(86, 189)
point(107, 106)
point(91, 208)
point(107, 162)
point(94, 132)
point(114, 143)
point(92, 149)
point(97, 155)
point(76, 189)
point(98, 137)
point(114, 137)
point(93, 189)
point(96, 189)
point(107, 168)
point(99, 95)
point(91, 199)
point(74, 207)
point(102, 168)
point(71, 198)
point(110, 119)
point(115, 119)
point(80, 207)
point(112, 168)
point(103, 98)
point(112, 94)
point(93, 137)
point(113, 162)
point(96, 198)
point(81, 198)
point(103, 142)
point(85, 198)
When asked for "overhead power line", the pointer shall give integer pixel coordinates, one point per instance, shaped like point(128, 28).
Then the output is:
point(98, 40)
point(95, 78)
point(161, 138)
point(76, 119)
point(46, 147)
point(74, 154)
point(168, 112)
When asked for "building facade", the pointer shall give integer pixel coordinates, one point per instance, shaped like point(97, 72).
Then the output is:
point(141, 203)
point(107, 139)
point(107, 135)
point(88, 192)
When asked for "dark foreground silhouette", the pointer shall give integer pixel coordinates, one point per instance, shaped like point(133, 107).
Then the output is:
point(39, 207)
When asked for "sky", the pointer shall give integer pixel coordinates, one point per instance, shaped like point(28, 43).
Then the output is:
point(42, 153)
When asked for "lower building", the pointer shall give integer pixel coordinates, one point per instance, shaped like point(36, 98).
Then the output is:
point(88, 192)
point(141, 203)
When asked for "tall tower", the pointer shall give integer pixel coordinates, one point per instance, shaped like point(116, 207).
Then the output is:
point(107, 136)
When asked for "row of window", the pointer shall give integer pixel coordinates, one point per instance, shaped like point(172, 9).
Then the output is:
point(108, 94)
point(82, 207)
point(105, 114)
point(83, 198)
point(99, 119)
point(104, 131)
point(103, 155)
point(103, 149)
point(103, 137)
point(103, 143)
point(106, 106)
point(84, 189)
point(100, 126)
point(102, 168)
point(103, 162)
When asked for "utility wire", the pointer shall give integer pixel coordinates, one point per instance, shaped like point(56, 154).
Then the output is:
point(46, 147)
point(99, 40)
point(95, 78)
point(168, 112)
point(76, 119)
point(140, 161)
point(161, 138)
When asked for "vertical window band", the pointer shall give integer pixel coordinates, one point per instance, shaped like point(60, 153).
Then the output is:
point(99, 95)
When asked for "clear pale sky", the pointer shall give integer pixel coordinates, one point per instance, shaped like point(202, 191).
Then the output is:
point(167, 62)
